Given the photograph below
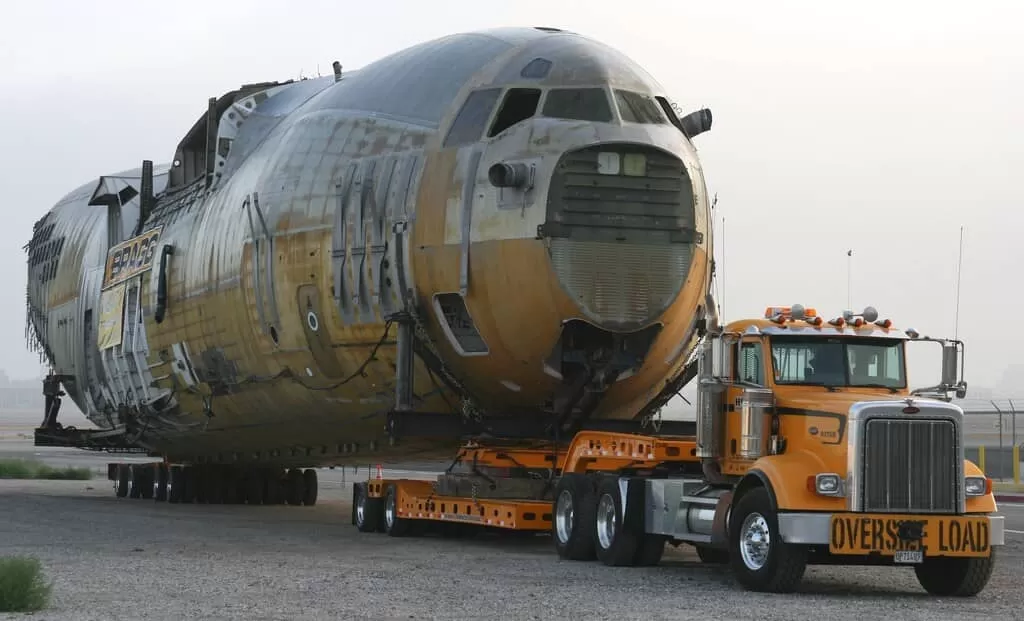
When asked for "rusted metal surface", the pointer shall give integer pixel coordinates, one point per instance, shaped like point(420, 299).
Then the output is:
point(330, 206)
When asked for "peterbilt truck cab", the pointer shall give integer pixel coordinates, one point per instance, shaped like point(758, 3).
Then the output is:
point(831, 457)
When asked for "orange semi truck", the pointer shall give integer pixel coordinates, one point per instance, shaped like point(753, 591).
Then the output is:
point(810, 448)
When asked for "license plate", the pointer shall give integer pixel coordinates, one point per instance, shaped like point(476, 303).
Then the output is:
point(909, 538)
point(909, 556)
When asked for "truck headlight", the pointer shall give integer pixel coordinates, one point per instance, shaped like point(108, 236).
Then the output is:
point(976, 486)
point(826, 484)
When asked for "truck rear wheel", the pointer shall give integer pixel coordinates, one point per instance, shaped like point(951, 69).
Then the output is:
point(959, 577)
point(615, 544)
point(160, 483)
point(394, 525)
point(759, 557)
point(121, 483)
point(366, 511)
point(573, 511)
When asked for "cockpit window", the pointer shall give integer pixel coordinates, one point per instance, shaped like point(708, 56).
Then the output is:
point(519, 105)
point(579, 104)
point(471, 120)
point(637, 108)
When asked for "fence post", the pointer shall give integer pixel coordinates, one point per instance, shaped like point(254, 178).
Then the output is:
point(1016, 464)
point(981, 458)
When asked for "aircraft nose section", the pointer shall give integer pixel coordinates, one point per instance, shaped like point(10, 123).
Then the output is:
point(621, 231)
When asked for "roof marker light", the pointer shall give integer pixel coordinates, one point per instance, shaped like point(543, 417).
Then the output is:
point(885, 323)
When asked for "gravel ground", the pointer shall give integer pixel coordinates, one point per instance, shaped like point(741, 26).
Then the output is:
point(115, 558)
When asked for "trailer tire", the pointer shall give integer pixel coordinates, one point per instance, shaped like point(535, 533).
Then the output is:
point(294, 487)
point(957, 577)
point(160, 480)
point(148, 477)
point(136, 480)
point(366, 511)
point(572, 518)
point(776, 567)
point(309, 487)
point(121, 483)
point(394, 525)
point(175, 484)
point(616, 545)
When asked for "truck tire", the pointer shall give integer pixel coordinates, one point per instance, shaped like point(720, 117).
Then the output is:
point(615, 544)
point(760, 559)
point(650, 550)
point(367, 513)
point(957, 577)
point(573, 517)
point(394, 524)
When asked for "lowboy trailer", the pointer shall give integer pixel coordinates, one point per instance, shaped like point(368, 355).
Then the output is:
point(809, 449)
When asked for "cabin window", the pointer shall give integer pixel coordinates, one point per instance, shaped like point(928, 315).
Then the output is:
point(579, 104)
point(519, 105)
point(637, 108)
point(749, 367)
point(471, 120)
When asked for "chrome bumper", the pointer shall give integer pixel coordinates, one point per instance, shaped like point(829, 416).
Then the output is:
point(813, 528)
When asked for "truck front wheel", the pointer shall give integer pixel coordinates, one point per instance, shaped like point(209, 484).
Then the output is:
point(760, 559)
point(959, 577)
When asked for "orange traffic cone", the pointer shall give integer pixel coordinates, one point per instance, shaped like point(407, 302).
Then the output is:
point(380, 472)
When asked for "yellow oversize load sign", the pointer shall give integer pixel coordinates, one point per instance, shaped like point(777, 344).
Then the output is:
point(131, 257)
point(909, 536)
point(111, 317)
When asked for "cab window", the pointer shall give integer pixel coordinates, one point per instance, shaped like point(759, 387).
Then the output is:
point(749, 367)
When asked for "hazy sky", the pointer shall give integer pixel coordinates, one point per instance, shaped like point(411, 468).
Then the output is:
point(881, 127)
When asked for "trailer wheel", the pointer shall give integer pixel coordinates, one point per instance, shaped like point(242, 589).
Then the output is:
point(959, 577)
point(615, 544)
point(760, 559)
point(175, 484)
point(146, 482)
point(255, 487)
point(136, 480)
point(294, 488)
point(573, 515)
point(121, 483)
point(394, 525)
point(367, 512)
point(309, 486)
point(160, 483)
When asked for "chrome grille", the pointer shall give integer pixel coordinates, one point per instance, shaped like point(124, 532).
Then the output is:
point(910, 466)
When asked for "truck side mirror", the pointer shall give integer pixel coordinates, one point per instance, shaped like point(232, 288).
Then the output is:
point(721, 358)
point(949, 364)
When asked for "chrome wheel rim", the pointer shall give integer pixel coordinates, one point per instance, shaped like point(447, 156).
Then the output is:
point(389, 510)
point(361, 509)
point(755, 541)
point(564, 515)
point(606, 522)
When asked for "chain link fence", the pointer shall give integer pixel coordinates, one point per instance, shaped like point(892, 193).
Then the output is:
point(993, 436)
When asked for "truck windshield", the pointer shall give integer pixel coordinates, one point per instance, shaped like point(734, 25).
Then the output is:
point(826, 361)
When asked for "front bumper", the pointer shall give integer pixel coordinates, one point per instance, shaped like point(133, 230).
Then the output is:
point(819, 529)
